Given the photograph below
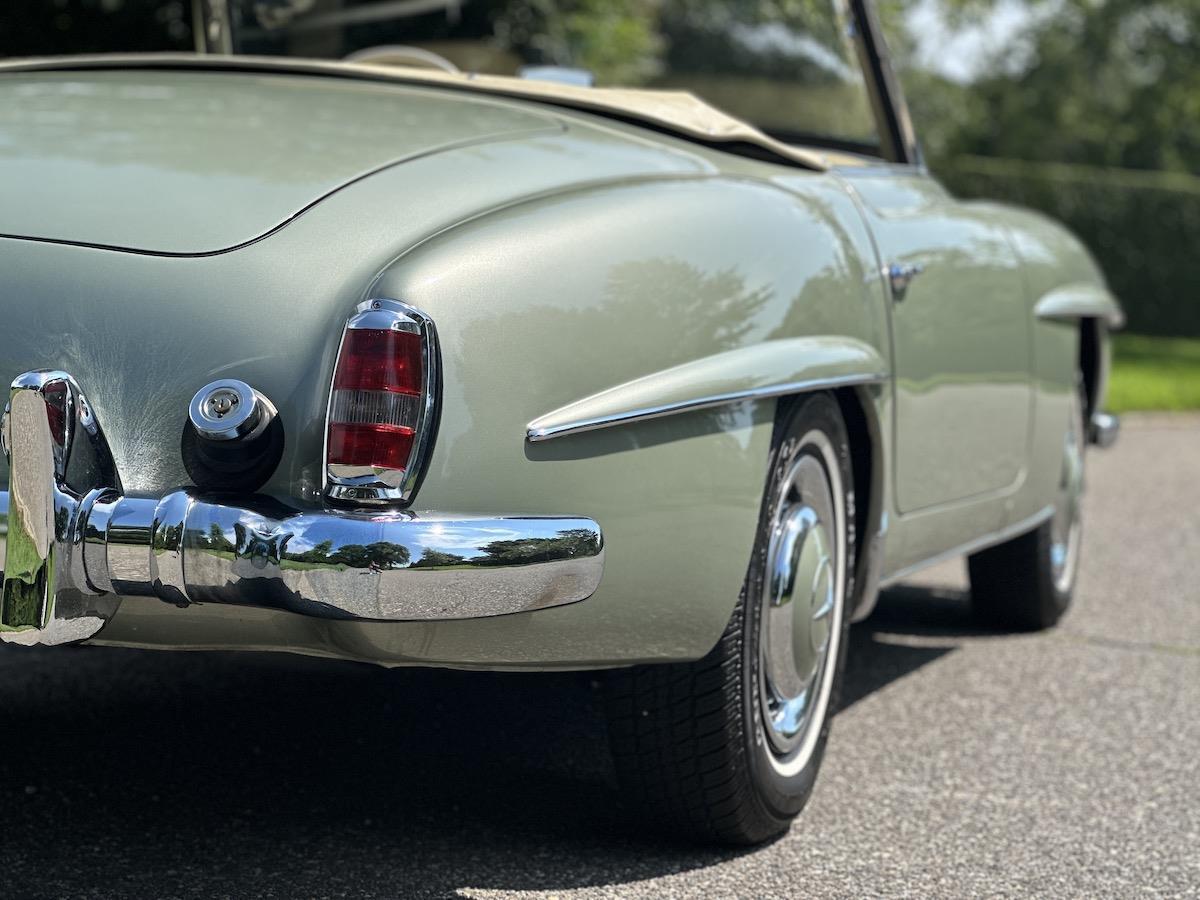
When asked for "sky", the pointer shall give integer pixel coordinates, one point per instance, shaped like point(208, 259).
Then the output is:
point(962, 53)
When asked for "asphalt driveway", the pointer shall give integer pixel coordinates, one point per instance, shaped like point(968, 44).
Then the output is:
point(964, 762)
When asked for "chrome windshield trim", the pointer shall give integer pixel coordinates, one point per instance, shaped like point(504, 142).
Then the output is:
point(537, 433)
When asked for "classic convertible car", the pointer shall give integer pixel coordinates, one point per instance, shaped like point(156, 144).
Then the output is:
point(382, 361)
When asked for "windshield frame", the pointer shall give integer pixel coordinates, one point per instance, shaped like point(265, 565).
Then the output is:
point(897, 136)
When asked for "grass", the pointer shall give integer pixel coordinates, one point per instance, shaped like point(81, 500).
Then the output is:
point(1153, 373)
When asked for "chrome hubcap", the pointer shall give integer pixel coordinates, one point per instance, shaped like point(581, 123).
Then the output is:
point(1065, 530)
point(802, 605)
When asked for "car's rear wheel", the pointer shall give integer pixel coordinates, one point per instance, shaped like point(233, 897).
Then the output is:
point(1027, 583)
point(728, 748)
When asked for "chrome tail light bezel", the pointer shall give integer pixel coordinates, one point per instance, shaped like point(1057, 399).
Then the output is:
point(375, 486)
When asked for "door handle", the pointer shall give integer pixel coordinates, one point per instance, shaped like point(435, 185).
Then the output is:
point(900, 276)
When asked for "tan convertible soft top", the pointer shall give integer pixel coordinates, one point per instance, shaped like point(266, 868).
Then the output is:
point(675, 111)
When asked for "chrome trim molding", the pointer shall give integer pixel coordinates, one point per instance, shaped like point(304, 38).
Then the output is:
point(535, 433)
point(370, 486)
point(230, 410)
point(344, 564)
point(1081, 300)
point(900, 277)
point(60, 468)
point(74, 544)
point(1103, 430)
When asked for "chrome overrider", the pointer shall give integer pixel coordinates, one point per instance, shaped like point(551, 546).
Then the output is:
point(75, 544)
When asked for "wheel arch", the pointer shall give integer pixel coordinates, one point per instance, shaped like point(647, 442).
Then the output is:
point(1094, 311)
point(860, 411)
point(865, 427)
point(1095, 361)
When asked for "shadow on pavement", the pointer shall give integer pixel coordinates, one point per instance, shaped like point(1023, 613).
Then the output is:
point(161, 774)
point(882, 649)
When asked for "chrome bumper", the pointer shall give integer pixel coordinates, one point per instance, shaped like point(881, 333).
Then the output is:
point(74, 544)
point(1104, 429)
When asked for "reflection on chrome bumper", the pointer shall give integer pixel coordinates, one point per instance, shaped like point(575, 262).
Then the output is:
point(74, 544)
point(340, 565)
point(1104, 429)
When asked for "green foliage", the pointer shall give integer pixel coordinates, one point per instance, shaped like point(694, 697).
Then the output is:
point(523, 551)
point(616, 40)
point(630, 42)
point(1142, 227)
point(434, 559)
point(1154, 373)
point(1096, 82)
point(1101, 98)
point(1102, 82)
point(380, 555)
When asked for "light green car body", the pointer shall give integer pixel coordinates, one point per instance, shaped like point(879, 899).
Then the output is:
point(163, 228)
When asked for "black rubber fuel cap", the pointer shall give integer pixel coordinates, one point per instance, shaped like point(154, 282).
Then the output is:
point(233, 438)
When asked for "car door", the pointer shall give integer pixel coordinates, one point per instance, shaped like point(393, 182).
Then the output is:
point(961, 339)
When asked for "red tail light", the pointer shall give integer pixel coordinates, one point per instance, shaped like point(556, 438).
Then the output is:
point(383, 404)
point(380, 360)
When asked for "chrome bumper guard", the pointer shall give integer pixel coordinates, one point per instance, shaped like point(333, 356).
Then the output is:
point(75, 544)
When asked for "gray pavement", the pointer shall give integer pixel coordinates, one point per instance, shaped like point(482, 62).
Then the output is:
point(964, 762)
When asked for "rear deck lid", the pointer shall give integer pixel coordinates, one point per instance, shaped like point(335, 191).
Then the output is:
point(185, 162)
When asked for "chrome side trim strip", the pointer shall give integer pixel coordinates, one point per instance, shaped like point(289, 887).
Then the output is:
point(536, 433)
point(1072, 302)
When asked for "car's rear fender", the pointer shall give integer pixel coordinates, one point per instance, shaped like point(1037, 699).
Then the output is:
point(538, 304)
point(603, 299)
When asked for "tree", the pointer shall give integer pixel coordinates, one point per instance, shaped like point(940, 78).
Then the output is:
point(431, 559)
point(1101, 82)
